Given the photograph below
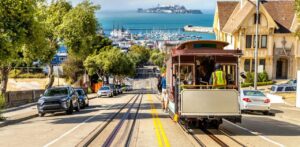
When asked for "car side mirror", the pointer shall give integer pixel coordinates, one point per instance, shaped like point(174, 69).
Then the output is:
point(243, 75)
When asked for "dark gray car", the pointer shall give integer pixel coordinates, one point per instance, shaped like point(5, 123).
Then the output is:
point(58, 99)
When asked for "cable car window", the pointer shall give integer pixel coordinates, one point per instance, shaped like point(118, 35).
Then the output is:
point(186, 74)
point(205, 46)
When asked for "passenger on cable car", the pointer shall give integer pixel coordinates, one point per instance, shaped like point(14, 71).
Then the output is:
point(203, 75)
point(188, 77)
point(218, 78)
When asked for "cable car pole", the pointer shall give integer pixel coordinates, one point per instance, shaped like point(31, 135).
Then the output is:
point(256, 45)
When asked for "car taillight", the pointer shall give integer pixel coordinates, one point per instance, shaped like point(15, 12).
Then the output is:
point(267, 101)
point(246, 100)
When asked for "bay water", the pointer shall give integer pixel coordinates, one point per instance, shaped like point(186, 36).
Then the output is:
point(146, 22)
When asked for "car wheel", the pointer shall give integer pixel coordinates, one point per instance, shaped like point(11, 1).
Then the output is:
point(83, 105)
point(266, 113)
point(87, 104)
point(41, 114)
point(70, 109)
point(77, 109)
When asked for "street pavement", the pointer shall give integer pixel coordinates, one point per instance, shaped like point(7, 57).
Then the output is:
point(153, 127)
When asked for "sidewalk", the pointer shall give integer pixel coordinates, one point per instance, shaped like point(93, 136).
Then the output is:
point(24, 112)
point(286, 113)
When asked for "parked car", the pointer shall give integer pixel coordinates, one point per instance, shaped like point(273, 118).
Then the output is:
point(83, 98)
point(113, 87)
point(283, 88)
point(128, 88)
point(254, 100)
point(57, 99)
point(119, 89)
point(105, 91)
point(292, 82)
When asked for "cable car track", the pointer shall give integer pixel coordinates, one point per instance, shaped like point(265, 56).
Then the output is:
point(93, 136)
point(213, 136)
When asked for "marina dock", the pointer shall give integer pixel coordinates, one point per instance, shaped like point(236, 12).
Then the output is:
point(200, 29)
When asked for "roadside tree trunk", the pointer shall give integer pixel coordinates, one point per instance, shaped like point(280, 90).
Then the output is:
point(50, 77)
point(107, 79)
point(4, 79)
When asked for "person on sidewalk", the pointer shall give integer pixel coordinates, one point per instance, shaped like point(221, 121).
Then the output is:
point(164, 99)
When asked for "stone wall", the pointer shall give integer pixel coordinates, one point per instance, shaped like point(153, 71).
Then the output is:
point(17, 98)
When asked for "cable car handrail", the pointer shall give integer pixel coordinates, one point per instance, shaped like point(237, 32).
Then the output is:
point(206, 86)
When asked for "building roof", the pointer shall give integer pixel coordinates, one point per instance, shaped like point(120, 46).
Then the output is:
point(238, 16)
point(281, 11)
point(225, 9)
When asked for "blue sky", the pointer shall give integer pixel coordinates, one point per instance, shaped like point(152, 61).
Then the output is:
point(108, 5)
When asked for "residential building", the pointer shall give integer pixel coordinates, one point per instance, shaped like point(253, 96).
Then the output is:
point(278, 46)
point(60, 56)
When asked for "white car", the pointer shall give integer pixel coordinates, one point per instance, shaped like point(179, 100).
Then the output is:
point(254, 100)
point(105, 91)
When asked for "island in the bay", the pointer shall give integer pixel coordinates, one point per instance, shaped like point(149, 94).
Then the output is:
point(170, 9)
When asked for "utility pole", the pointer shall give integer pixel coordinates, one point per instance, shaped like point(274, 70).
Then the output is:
point(256, 45)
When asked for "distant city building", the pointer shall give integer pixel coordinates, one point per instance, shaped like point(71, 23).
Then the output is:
point(279, 47)
point(169, 10)
point(60, 56)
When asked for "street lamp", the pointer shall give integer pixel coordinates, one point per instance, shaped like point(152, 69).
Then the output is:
point(256, 45)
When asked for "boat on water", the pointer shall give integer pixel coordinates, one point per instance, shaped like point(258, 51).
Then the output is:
point(124, 39)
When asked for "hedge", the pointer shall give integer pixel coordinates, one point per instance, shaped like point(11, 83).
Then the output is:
point(258, 84)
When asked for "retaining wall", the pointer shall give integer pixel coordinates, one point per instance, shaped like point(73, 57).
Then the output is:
point(17, 98)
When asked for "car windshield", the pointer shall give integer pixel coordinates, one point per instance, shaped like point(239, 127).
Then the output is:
point(56, 92)
point(253, 93)
point(104, 88)
point(80, 92)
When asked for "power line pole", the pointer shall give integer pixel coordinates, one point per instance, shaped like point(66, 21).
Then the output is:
point(256, 45)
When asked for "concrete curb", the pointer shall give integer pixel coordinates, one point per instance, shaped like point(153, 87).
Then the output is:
point(15, 121)
point(18, 108)
point(25, 117)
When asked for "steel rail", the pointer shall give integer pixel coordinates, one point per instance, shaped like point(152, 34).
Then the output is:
point(116, 130)
point(216, 139)
point(99, 131)
point(133, 124)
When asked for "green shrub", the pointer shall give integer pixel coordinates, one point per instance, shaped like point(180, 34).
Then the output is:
point(258, 84)
point(30, 75)
point(90, 90)
point(249, 78)
point(263, 77)
point(2, 106)
point(14, 73)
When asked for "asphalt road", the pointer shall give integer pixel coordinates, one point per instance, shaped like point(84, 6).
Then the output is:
point(153, 127)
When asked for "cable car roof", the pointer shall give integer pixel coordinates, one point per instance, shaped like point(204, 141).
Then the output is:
point(204, 48)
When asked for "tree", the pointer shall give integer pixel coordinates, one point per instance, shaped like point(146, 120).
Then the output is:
point(52, 17)
point(158, 58)
point(17, 27)
point(73, 68)
point(139, 54)
point(110, 61)
point(79, 28)
point(78, 32)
